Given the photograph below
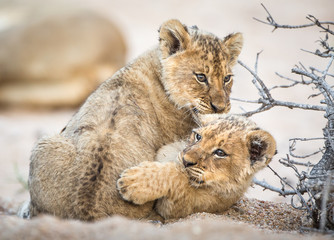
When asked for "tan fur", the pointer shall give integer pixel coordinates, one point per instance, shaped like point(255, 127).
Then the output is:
point(199, 180)
point(147, 104)
point(55, 55)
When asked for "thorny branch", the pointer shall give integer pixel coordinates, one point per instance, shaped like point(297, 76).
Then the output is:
point(319, 204)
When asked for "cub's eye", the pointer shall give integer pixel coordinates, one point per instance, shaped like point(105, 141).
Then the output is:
point(227, 78)
point(197, 137)
point(219, 153)
point(201, 77)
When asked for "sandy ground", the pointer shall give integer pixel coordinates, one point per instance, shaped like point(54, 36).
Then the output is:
point(248, 219)
point(140, 20)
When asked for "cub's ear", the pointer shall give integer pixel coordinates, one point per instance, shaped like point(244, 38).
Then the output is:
point(261, 146)
point(173, 37)
point(233, 43)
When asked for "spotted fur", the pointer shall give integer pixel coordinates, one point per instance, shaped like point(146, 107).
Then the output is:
point(203, 53)
point(151, 102)
point(211, 172)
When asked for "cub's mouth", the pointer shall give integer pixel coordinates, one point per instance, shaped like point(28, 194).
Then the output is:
point(195, 174)
point(202, 108)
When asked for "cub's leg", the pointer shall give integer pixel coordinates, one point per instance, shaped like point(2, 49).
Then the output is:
point(150, 180)
point(168, 183)
point(52, 177)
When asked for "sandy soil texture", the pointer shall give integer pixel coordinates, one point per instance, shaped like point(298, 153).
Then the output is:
point(248, 219)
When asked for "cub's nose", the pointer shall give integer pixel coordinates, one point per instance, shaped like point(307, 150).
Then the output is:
point(217, 108)
point(187, 164)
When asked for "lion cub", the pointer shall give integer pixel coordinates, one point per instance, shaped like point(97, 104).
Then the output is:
point(151, 102)
point(211, 173)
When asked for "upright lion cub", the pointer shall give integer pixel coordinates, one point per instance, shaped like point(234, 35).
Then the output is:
point(147, 104)
point(212, 172)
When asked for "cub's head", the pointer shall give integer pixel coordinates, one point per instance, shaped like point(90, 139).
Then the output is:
point(197, 67)
point(226, 152)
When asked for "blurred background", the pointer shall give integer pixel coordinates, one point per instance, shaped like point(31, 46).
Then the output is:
point(54, 53)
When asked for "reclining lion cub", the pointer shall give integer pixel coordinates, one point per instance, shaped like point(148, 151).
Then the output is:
point(212, 172)
point(147, 104)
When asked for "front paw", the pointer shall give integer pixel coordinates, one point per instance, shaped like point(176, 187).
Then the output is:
point(133, 185)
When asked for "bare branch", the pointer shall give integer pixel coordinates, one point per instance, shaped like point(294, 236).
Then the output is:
point(245, 101)
point(290, 165)
point(319, 24)
point(327, 68)
point(319, 54)
point(268, 101)
point(304, 73)
point(297, 192)
point(306, 139)
point(313, 69)
point(308, 164)
point(266, 185)
point(293, 80)
point(258, 79)
point(313, 187)
point(266, 105)
point(260, 109)
point(325, 195)
point(329, 138)
point(319, 81)
point(284, 86)
point(292, 105)
point(305, 156)
point(315, 22)
point(292, 148)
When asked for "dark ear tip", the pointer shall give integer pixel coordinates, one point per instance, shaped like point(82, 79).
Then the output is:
point(261, 145)
point(257, 148)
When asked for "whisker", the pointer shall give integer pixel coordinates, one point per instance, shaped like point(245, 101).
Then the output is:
point(204, 179)
point(199, 171)
point(204, 105)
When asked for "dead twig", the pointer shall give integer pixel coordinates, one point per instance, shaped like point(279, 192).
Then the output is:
point(314, 187)
point(315, 22)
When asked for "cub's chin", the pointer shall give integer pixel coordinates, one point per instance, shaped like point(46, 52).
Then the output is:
point(196, 177)
point(197, 183)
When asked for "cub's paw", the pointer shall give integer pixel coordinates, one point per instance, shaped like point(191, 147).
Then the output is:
point(134, 183)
